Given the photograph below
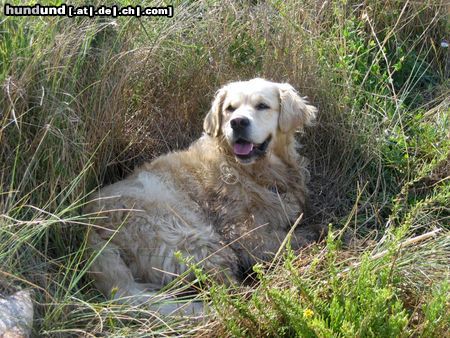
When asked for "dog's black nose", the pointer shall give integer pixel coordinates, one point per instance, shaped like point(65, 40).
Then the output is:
point(239, 123)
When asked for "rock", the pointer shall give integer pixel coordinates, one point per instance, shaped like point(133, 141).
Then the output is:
point(16, 315)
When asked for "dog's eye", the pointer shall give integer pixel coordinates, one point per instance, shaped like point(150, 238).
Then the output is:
point(262, 106)
point(230, 108)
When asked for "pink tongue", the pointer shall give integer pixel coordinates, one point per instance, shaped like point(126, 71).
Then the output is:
point(242, 148)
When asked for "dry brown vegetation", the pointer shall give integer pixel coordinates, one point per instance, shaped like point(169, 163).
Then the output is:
point(83, 101)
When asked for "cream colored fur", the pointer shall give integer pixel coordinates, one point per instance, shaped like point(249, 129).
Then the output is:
point(204, 202)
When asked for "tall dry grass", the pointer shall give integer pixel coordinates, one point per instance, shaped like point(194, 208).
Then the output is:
point(84, 101)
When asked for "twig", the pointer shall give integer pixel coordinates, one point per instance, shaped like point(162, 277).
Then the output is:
point(286, 239)
point(408, 242)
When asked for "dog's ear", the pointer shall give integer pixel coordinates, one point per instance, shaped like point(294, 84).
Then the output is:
point(295, 112)
point(213, 120)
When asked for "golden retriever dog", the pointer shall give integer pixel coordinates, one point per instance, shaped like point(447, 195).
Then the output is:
point(228, 201)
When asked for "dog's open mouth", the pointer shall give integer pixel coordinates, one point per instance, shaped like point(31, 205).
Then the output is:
point(245, 150)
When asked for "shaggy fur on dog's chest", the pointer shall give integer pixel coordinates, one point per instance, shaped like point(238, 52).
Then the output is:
point(251, 209)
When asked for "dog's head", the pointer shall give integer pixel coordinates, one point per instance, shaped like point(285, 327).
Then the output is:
point(250, 115)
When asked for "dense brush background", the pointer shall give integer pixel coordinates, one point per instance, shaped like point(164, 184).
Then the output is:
point(85, 100)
